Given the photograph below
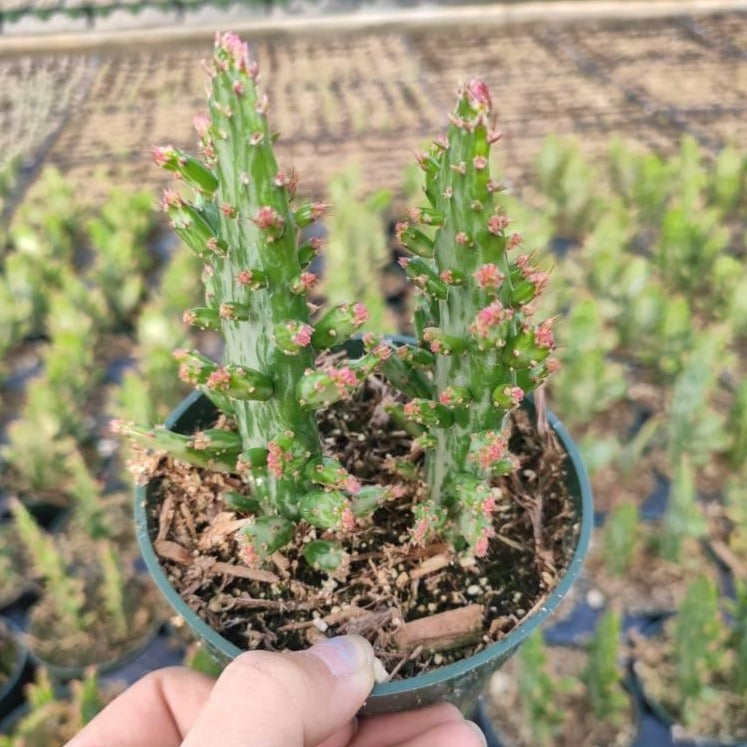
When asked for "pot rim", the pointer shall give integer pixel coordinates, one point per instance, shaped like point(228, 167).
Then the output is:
point(427, 679)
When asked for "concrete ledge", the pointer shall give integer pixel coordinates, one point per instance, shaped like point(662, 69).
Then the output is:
point(422, 17)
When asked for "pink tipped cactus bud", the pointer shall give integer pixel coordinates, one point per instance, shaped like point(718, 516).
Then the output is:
point(491, 450)
point(480, 163)
point(513, 241)
point(162, 155)
point(347, 519)
point(543, 335)
point(459, 168)
point(275, 459)
point(219, 380)
point(494, 186)
point(250, 555)
point(360, 314)
point(488, 318)
point(238, 88)
point(344, 378)
point(256, 138)
point(302, 336)
point(268, 218)
point(481, 546)
point(304, 282)
point(263, 105)
point(497, 224)
point(494, 136)
point(245, 277)
point(236, 49)
point(228, 210)
point(462, 239)
point(478, 95)
point(441, 142)
point(171, 199)
point(202, 125)
point(489, 277)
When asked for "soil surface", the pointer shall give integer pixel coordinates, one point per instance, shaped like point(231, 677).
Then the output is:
point(386, 582)
point(579, 728)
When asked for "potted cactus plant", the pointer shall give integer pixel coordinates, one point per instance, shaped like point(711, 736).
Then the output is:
point(373, 488)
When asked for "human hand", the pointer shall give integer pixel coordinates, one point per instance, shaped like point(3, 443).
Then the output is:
point(262, 699)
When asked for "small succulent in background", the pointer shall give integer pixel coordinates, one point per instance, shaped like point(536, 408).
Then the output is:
point(537, 689)
point(55, 718)
point(602, 676)
point(620, 538)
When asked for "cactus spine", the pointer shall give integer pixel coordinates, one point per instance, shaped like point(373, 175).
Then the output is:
point(475, 317)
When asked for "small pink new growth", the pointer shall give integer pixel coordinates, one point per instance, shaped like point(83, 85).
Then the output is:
point(267, 217)
point(219, 379)
point(480, 163)
point(419, 532)
point(481, 547)
point(162, 154)
point(347, 519)
point(488, 505)
point(447, 276)
point(245, 277)
point(303, 335)
point(497, 223)
point(514, 241)
point(256, 138)
point(487, 318)
point(275, 456)
point(462, 238)
point(398, 491)
point(228, 210)
point(344, 378)
point(442, 142)
point(493, 450)
point(360, 314)
point(494, 136)
point(456, 121)
point(202, 125)
point(460, 168)
point(186, 374)
point(514, 393)
point(552, 365)
point(251, 558)
point(308, 280)
point(433, 341)
point(478, 95)
point(189, 317)
point(318, 209)
point(238, 88)
point(410, 409)
point(179, 354)
point(263, 105)
point(236, 48)
point(489, 276)
point(448, 193)
point(171, 199)
point(543, 335)
point(226, 311)
point(404, 261)
point(352, 485)
point(493, 186)
point(449, 398)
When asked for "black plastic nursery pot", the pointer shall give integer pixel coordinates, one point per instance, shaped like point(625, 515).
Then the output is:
point(460, 682)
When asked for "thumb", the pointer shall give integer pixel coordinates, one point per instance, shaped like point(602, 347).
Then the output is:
point(294, 699)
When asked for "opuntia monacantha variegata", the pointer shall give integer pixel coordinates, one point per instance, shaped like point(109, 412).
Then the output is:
point(478, 355)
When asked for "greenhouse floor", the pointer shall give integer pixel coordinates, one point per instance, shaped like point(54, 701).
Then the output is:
point(376, 95)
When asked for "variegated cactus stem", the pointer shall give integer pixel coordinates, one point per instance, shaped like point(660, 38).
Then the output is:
point(475, 324)
point(242, 224)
